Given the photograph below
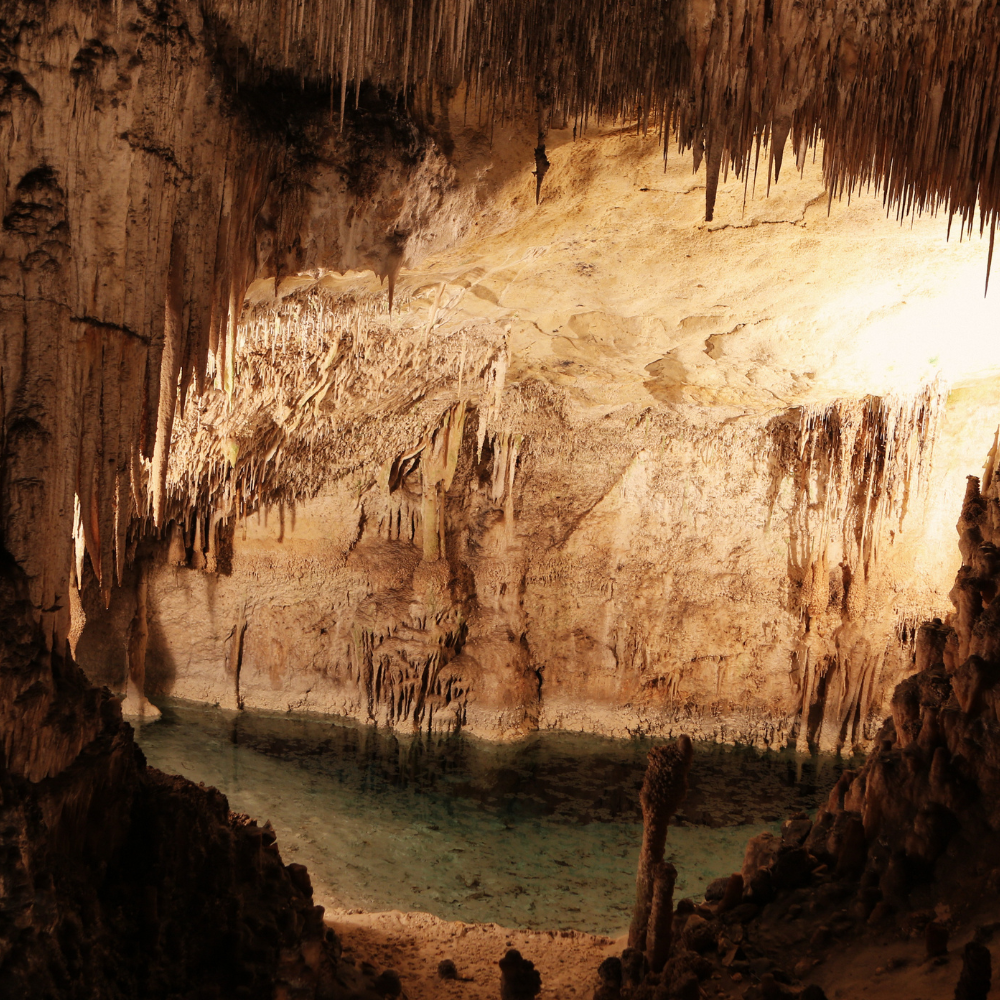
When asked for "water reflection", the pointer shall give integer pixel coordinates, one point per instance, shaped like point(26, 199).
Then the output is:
point(540, 833)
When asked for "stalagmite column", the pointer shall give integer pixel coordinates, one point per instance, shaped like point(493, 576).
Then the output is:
point(977, 972)
point(659, 934)
point(663, 790)
point(136, 705)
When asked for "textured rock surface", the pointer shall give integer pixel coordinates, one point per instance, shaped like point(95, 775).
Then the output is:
point(119, 881)
point(705, 527)
point(119, 308)
point(157, 162)
point(140, 193)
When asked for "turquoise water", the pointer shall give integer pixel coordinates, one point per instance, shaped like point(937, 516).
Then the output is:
point(542, 833)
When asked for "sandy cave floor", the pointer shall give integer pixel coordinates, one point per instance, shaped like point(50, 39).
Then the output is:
point(414, 943)
point(897, 970)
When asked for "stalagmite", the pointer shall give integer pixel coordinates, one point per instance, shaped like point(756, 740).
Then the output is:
point(659, 932)
point(663, 790)
point(977, 972)
point(519, 979)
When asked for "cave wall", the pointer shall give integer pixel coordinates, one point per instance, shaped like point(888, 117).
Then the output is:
point(233, 177)
point(593, 589)
point(640, 572)
point(142, 191)
point(460, 559)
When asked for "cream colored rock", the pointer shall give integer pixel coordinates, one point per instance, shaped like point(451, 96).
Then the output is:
point(689, 502)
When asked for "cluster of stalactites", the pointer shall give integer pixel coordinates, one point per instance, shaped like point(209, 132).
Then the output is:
point(907, 97)
point(324, 387)
point(856, 467)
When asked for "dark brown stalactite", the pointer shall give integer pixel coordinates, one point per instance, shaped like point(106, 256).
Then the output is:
point(713, 164)
point(541, 166)
point(905, 99)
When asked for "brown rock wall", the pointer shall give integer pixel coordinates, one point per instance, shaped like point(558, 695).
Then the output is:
point(634, 575)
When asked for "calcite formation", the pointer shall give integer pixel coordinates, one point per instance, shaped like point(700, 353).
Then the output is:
point(178, 412)
point(379, 527)
point(663, 791)
point(904, 844)
point(196, 368)
point(906, 96)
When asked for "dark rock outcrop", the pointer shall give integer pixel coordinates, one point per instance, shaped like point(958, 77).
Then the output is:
point(519, 979)
point(123, 882)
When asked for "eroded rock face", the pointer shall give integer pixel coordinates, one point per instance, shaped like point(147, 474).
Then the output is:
point(544, 627)
point(664, 512)
point(120, 881)
point(141, 192)
point(904, 854)
point(933, 771)
point(634, 571)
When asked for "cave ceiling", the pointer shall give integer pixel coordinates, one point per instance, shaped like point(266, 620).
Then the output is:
point(615, 289)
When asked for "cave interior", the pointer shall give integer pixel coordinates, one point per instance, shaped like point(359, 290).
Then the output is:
point(499, 434)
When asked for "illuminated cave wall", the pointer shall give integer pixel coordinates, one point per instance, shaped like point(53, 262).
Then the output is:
point(602, 468)
point(134, 306)
point(479, 553)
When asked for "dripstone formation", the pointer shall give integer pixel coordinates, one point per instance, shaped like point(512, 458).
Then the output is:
point(179, 358)
point(663, 790)
point(903, 848)
point(171, 172)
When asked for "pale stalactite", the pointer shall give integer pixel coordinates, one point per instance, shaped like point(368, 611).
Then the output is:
point(856, 468)
point(136, 705)
point(907, 99)
point(314, 369)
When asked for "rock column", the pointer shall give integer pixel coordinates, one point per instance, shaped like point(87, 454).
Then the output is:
point(663, 790)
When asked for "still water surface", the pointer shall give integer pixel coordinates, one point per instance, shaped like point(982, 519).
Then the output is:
point(542, 833)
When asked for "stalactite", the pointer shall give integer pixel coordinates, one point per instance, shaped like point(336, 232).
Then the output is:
point(135, 330)
point(855, 469)
point(283, 430)
point(907, 100)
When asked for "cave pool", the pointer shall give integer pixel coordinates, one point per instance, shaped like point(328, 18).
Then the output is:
point(539, 833)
